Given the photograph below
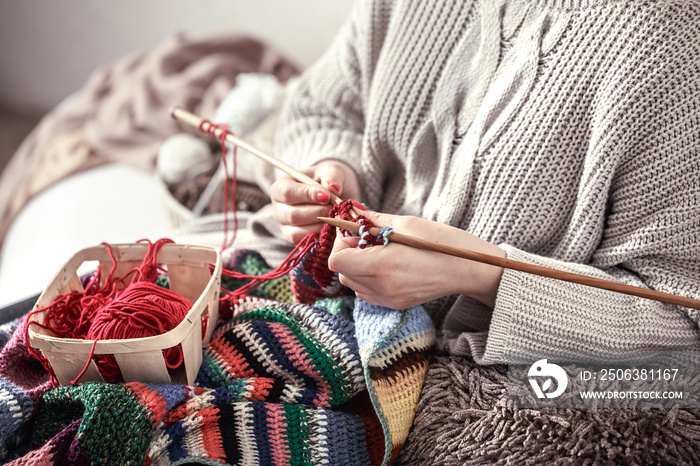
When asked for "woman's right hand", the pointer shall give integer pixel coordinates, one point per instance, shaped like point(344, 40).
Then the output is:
point(296, 205)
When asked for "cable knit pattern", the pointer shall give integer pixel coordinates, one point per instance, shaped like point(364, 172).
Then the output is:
point(564, 131)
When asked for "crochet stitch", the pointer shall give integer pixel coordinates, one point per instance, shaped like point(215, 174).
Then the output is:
point(281, 382)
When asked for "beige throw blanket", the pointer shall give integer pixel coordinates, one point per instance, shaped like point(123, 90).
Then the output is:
point(121, 113)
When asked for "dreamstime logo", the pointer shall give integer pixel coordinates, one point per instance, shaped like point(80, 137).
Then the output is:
point(542, 369)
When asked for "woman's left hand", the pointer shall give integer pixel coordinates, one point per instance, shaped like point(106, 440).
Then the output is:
point(399, 276)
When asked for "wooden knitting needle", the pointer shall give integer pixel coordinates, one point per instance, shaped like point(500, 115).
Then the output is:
point(205, 126)
point(522, 266)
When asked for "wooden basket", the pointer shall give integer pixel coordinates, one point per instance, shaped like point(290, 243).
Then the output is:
point(139, 359)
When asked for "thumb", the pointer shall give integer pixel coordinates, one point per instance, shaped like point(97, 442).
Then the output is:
point(342, 246)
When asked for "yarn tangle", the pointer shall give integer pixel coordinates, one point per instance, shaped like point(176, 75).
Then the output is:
point(115, 309)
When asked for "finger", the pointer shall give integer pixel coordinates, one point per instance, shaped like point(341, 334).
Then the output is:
point(291, 192)
point(299, 215)
point(328, 178)
point(346, 259)
point(337, 177)
point(357, 286)
point(337, 257)
point(380, 219)
point(331, 176)
point(408, 225)
point(361, 291)
point(345, 242)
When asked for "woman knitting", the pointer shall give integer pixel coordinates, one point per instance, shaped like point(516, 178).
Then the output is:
point(560, 133)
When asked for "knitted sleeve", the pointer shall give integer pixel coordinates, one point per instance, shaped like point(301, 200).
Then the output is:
point(655, 243)
point(650, 236)
point(323, 116)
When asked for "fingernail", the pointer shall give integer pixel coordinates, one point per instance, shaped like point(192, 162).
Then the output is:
point(333, 185)
point(357, 205)
point(323, 197)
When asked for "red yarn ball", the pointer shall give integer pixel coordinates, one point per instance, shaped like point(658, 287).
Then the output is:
point(142, 309)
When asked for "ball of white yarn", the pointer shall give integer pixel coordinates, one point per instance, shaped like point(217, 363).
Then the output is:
point(254, 97)
point(183, 156)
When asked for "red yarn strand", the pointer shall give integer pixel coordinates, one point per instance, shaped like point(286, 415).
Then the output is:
point(292, 260)
point(231, 183)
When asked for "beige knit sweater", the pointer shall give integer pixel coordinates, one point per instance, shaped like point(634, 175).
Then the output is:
point(565, 131)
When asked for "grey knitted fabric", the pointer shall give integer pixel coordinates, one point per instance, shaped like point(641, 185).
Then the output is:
point(566, 132)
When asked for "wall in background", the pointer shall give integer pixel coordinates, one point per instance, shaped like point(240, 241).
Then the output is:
point(48, 48)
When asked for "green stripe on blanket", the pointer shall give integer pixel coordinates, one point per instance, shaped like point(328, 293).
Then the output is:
point(280, 383)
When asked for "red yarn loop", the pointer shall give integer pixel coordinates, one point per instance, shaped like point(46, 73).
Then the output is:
point(114, 311)
point(231, 184)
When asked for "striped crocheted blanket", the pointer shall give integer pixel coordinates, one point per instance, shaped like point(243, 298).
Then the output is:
point(334, 382)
